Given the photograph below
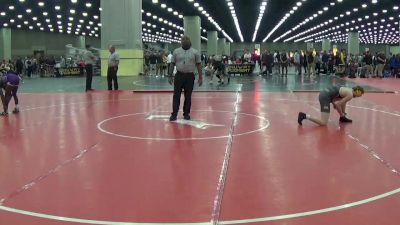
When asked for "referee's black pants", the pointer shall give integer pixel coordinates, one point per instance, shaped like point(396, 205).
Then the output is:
point(112, 77)
point(185, 82)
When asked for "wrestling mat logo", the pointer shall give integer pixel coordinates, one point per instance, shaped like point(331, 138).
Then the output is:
point(196, 124)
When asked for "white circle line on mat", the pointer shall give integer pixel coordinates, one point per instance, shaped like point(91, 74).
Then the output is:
point(99, 127)
point(244, 221)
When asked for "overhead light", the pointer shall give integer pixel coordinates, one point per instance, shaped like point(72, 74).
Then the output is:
point(261, 15)
point(235, 20)
point(29, 10)
point(74, 1)
point(41, 4)
point(287, 15)
point(88, 4)
point(72, 11)
point(11, 7)
point(154, 1)
point(57, 7)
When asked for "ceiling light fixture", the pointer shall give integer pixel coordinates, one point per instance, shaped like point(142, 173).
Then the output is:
point(263, 7)
point(287, 15)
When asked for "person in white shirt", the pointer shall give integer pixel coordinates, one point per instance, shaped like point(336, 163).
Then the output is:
point(247, 56)
point(169, 60)
point(297, 62)
point(89, 59)
point(113, 62)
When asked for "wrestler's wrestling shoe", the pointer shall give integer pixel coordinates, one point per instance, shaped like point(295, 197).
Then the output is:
point(344, 119)
point(302, 116)
point(4, 114)
point(15, 111)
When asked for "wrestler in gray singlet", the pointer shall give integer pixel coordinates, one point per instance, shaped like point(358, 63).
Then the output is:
point(327, 96)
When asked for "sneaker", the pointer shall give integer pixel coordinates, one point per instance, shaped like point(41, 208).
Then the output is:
point(187, 117)
point(302, 116)
point(344, 119)
point(4, 114)
point(172, 118)
point(15, 111)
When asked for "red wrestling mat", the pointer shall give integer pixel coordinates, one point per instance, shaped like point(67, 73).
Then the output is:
point(108, 158)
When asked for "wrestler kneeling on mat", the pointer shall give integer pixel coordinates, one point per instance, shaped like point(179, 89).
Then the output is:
point(338, 96)
point(9, 82)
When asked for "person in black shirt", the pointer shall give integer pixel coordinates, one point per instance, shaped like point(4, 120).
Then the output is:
point(324, 60)
point(284, 63)
point(19, 65)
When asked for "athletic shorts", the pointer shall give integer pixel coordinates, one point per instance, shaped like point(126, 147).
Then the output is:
point(13, 79)
point(325, 102)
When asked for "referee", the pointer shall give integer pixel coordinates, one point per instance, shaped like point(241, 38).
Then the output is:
point(113, 62)
point(186, 59)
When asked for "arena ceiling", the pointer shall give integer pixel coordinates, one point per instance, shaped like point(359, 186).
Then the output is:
point(236, 20)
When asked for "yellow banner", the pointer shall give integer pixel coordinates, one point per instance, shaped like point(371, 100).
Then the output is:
point(240, 69)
